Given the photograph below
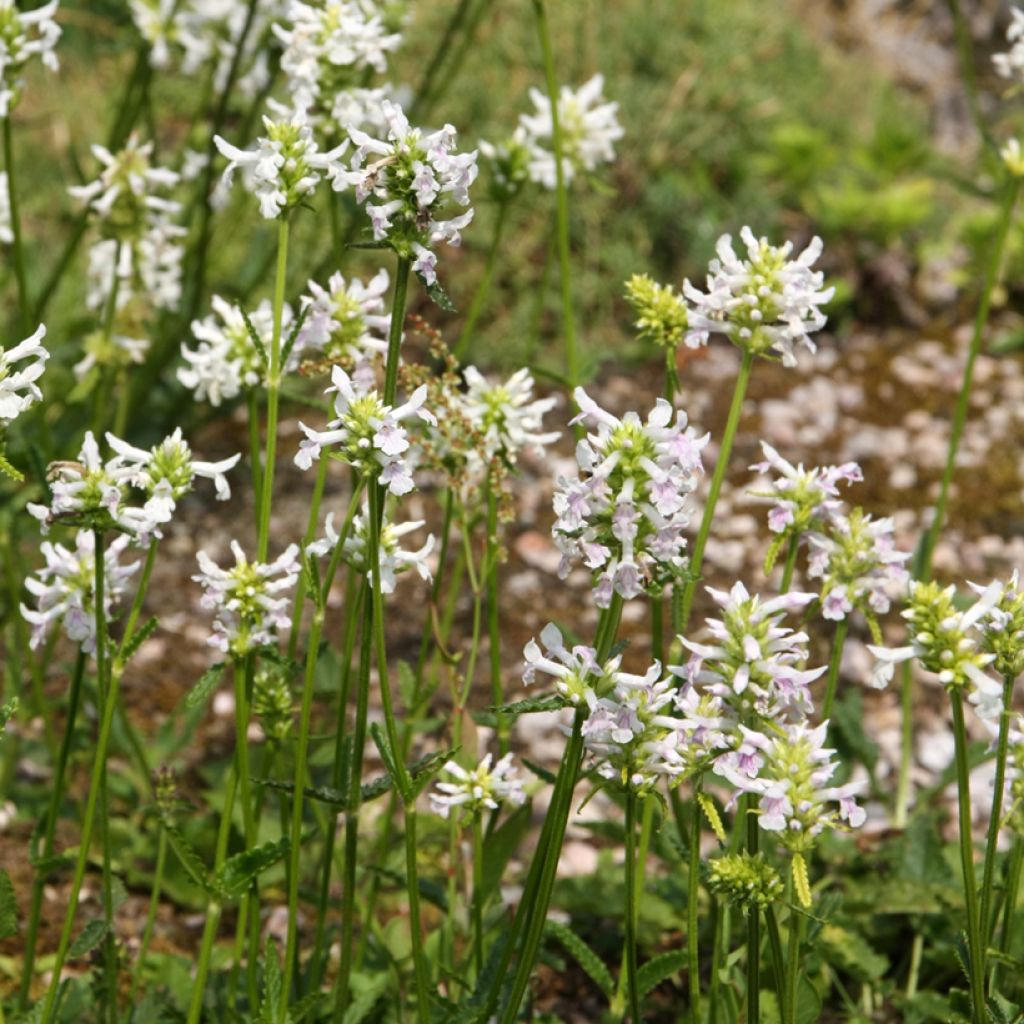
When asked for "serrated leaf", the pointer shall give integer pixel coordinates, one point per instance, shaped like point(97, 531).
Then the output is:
point(255, 338)
point(138, 638)
point(304, 1007)
point(707, 805)
point(532, 705)
point(801, 883)
point(851, 952)
point(8, 907)
point(293, 333)
point(238, 871)
point(659, 969)
point(362, 1006)
point(540, 771)
point(380, 740)
point(270, 998)
point(423, 772)
point(187, 854)
point(200, 693)
point(9, 470)
point(1001, 1010)
point(963, 956)
point(88, 939)
point(439, 297)
point(583, 955)
point(808, 1002)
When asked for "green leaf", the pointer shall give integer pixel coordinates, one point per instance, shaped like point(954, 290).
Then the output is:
point(237, 872)
point(187, 854)
point(407, 684)
point(7, 712)
point(540, 771)
point(138, 638)
point(8, 907)
point(501, 844)
point(583, 955)
point(439, 297)
point(852, 953)
point(362, 1006)
point(270, 998)
point(9, 470)
point(254, 336)
point(551, 702)
point(808, 1002)
point(293, 333)
point(88, 939)
point(386, 755)
point(200, 693)
point(659, 969)
point(426, 768)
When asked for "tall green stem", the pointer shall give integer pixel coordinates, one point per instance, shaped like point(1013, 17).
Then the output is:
point(483, 288)
point(562, 195)
point(478, 894)
point(154, 905)
point(796, 924)
point(721, 466)
point(692, 895)
point(753, 932)
point(1013, 873)
point(398, 302)
point(494, 613)
point(273, 391)
point(17, 247)
point(833, 668)
point(787, 571)
point(974, 935)
point(50, 829)
point(631, 907)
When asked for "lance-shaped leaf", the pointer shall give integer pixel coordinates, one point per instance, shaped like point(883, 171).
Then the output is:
point(238, 872)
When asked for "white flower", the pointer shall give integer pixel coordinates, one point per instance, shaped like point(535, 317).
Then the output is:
point(624, 516)
point(345, 319)
point(18, 388)
point(249, 600)
point(65, 588)
point(764, 302)
point(482, 788)
point(369, 434)
point(24, 35)
point(117, 350)
point(406, 180)
point(1002, 625)
point(1013, 157)
point(286, 165)
point(393, 558)
point(1011, 64)
point(577, 675)
point(589, 128)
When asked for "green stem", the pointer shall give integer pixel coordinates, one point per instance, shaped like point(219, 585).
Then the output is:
point(562, 195)
point(478, 894)
point(796, 926)
point(778, 960)
point(50, 829)
point(311, 524)
point(631, 907)
point(154, 904)
point(398, 302)
point(17, 248)
point(721, 465)
point(671, 375)
point(787, 571)
point(692, 895)
point(273, 391)
point(842, 626)
point(483, 288)
point(494, 614)
point(975, 949)
point(195, 1008)
point(1013, 873)
point(906, 745)
point(244, 678)
point(753, 933)
point(443, 48)
point(995, 815)
point(256, 469)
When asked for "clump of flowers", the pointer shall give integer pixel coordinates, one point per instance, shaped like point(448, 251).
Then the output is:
point(858, 564)
point(1002, 627)
point(346, 320)
point(764, 303)
point(625, 516)
point(394, 559)
point(167, 472)
point(661, 314)
point(368, 433)
point(250, 600)
point(328, 48)
point(24, 35)
point(578, 676)
point(589, 128)
point(943, 640)
point(753, 661)
point(18, 388)
point(286, 165)
point(227, 359)
point(801, 499)
point(272, 701)
point(745, 880)
point(483, 788)
point(406, 181)
point(65, 588)
point(1011, 64)
point(509, 164)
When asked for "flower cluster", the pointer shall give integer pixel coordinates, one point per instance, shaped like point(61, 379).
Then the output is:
point(328, 49)
point(661, 314)
point(1002, 627)
point(24, 35)
point(139, 253)
point(250, 600)
point(578, 676)
point(393, 558)
point(766, 302)
point(1011, 64)
point(410, 177)
point(227, 359)
point(589, 128)
point(65, 588)
point(509, 164)
point(482, 788)
point(752, 661)
point(626, 515)
point(794, 799)
point(18, 388)
point(369, 433)
point(286, 165)
point(346, 320)
point(944, 641)
point(801, 499)
point(746, 880)
point(858, 564)
point(167, 471)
